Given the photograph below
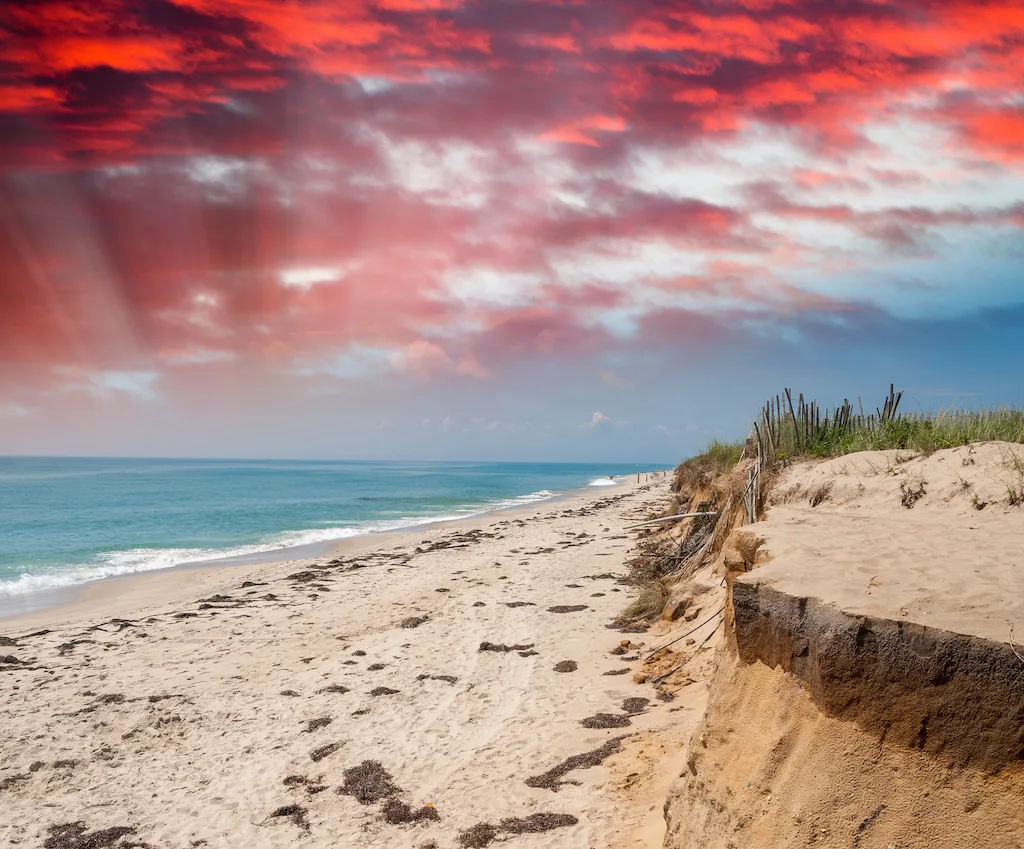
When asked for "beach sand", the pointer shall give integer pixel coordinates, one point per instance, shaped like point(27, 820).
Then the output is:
point(932, 540)
point(327, 702)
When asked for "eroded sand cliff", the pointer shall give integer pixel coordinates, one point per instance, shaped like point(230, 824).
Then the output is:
point(869, 693)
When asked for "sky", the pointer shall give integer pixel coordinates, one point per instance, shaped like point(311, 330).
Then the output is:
point(499, 229)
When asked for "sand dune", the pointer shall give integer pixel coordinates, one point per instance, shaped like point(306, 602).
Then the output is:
point(891, 534)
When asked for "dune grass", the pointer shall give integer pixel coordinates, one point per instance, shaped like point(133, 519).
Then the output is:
point(716, 458)
point(921, 432)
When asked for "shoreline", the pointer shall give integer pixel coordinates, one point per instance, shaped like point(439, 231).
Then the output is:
point(75, 598)
point(471, 662)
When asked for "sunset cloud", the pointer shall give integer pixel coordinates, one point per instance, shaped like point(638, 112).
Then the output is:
point(488, 197)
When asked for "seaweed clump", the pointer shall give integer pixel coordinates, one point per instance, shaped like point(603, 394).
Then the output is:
point(605, 720)
point(552, 779)
point(482, 834)
point(368, 783)
point(73, 835)
point(397, 812)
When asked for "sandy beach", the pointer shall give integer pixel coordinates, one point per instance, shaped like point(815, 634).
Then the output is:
point(420, 689)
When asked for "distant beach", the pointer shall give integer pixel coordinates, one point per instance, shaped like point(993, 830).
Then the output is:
point(73, 521)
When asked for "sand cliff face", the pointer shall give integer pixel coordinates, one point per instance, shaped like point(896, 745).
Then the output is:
point(769, 770)
point(836, 719)
point(953, 696)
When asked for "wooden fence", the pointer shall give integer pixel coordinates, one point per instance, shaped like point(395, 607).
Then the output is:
point(785, 429)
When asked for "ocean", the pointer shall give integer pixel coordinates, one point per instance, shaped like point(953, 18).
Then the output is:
point(67, 521)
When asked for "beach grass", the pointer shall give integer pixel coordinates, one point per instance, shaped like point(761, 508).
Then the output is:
point(789, 427)
point(924, 433)
point(715, 458)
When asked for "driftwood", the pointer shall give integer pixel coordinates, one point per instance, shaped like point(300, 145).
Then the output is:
point(671, 518)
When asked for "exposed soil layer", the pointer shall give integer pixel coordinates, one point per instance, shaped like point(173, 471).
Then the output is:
point(957, 697)
point(768, 768)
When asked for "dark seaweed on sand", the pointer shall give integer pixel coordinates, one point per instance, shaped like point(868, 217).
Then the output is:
point(536, 823)
point(319, 722)
point(450, 679)
point(414, 621)
point(296, 813)
point(566, 666)
point(635, 704)
point(605, 720)
point(478, 836)
point(64, 648)
point(624, 671)
point(368, 783)
point(73, 835)
point(333, 688)
point(567, 608)
point(383, 691)
point(318, 755)
point(627, 628)
point(501, 647)
point(552, 779)
point(484, 833)
point(396, 812)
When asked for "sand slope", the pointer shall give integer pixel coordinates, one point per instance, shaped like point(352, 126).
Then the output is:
point(194, 723)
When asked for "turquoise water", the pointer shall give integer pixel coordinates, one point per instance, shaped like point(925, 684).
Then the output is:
point(65, 521)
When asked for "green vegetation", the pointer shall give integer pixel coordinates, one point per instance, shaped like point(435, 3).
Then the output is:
point(717, 458)
point(923, 433)
point(649, 603)
point(787, 429)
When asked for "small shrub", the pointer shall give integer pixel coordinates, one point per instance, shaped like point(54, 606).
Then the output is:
point(821, 494)
point(911, 495)
point(717, 458)
point(747, 545)
point(649, 603)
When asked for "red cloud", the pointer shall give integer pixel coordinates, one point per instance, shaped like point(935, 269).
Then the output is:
point(166, 162)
